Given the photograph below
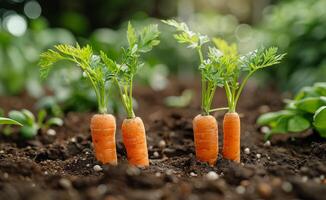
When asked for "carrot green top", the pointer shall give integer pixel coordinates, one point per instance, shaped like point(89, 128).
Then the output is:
point(124, 72)
point(90, 63)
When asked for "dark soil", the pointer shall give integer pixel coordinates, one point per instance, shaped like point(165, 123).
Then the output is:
point(61, 166)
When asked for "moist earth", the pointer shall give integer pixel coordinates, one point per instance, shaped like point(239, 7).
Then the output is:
point(61, 166)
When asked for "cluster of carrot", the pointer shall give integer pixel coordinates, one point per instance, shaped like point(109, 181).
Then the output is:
point(221, 68)
point(100, 69)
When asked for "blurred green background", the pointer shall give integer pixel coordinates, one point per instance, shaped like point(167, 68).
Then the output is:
point(28, 27)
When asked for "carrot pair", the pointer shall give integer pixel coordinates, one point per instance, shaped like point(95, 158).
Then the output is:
point(223, 67)
point(103, 127)
point(100, 69)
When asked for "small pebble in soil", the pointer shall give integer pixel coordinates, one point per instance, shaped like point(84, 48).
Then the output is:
point(5, 175)
point(242, 164)
point(65, 183)
point(267, 143)
point(211, 176)
point(46, 173)
point(169, 172)
point(322, 177)
point(265, 129)
point(51, 132)
point(264, 190)
point(240, 189)
point(2, 151)
point(33, 185)
point(86, 152)
point(133, 171)
point(73, 139)
point(193, 174)
point(97, 168)
point(102, 189)
point(156, 154)
point(158, 174)
point(88, 165)
point(287, 187)
point(258, 155)
point(162, 144)
point(247, 151)
point(304, 179)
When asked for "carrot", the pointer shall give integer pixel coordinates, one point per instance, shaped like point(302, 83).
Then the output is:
point(103, 128)
point(231, 136)
point(232, 66)
point(206, 138)
point(205, 125)
point(102, 125)
point(133, 131)
point(134, 139)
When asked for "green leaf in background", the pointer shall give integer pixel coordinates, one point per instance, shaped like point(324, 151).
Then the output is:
point(298, 124)
point(281, 126)
point(320, 88)
point(41, 116)
point(28, 132)
point(179, 101)
point(131, 35)
point(17, 116)
point(273, 116)
point(4, 120)
point(310, 104)
point(320, 121)
point(54, 121)
point(30, 119)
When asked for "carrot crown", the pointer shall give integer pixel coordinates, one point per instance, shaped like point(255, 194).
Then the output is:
point(210, 75)
point(124, 72)
point(233, 67)
point(90, 63)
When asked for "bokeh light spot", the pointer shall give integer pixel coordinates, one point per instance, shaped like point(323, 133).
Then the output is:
point(15, 24)
point(32, 9)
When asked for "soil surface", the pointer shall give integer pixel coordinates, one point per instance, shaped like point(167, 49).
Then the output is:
point(62, 166)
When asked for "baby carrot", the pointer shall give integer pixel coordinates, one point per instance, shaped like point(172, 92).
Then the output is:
point(133, 130)
point(102, 125)
point(232, 65)
point(206, 138)
point(134, 139)
point(231, 136)
point(204, 125)
point(103, 128)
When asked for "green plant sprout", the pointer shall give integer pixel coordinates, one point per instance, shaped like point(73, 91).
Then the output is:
point(31, 124)
point(210, 75)
point(124, 72)
point(232, 66)
point(306, 110)
point(90, 64)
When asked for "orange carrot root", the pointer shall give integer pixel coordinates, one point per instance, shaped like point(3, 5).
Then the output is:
point(206, 138)
point(231, 137)
point(103, 128)
point(134, 139)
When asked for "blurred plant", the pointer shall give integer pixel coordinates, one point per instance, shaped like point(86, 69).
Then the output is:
point(19, 56)
point(31, 124)
point(306, 110)
point(180, 101)
point(298, 28)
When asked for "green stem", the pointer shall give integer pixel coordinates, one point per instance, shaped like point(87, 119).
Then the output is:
point(241, 88)
point(219, 109)
point(229, 97)
point(203, 83)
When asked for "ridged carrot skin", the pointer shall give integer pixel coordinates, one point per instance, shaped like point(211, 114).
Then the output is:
point(103, 128)
point(231, 137)
point(134, 139)
point(206, 138)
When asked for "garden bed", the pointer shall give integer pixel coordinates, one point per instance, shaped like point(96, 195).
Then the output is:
point(62, 166)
